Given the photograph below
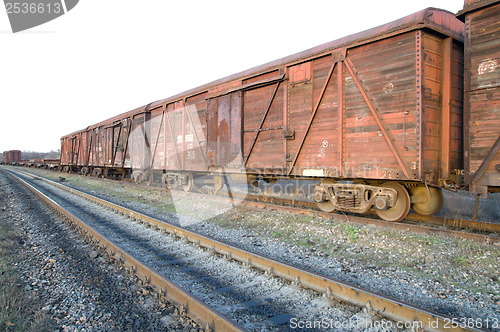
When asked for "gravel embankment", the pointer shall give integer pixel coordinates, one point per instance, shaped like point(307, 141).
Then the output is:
point(73, 287)
point(256, 301)
point(455, 277)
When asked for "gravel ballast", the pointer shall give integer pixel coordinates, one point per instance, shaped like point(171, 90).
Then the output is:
point(458, 278)
point(256, 301)
point(73, 286)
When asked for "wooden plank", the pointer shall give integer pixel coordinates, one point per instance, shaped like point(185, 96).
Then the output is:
point(385, 133)
point(247, 156)
point(482, 98)
point(251, 85)
point(315, 110)
point(446, 108)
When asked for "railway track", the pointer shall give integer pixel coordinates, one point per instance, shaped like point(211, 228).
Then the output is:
point(464, 229)
point(220, 285)
point(455, 223)
point(431, 225)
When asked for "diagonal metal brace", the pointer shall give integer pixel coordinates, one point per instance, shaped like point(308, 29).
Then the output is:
point(387, 135)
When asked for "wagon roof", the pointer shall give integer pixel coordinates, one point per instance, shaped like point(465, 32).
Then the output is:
point(439, 20)
point(473, 5)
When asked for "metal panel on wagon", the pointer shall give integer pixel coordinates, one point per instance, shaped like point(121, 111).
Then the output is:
point(12, 156)
point(196, 140)
point(224, 130)
point(263, 148)
point(381, 127)
point(482, 95)
point(312, 86)
point(378, 111)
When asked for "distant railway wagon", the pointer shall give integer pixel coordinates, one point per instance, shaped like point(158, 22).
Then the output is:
point(11, 157)
point(375, 118)
point(38, 163)
point(482, 94)
point(52, 164)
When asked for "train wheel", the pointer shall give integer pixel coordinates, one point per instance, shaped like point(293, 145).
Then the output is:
point(188, 186)
point(97, 172)
point(327, 206)
point(218, 183)
point(402, 206)
point(425, 205)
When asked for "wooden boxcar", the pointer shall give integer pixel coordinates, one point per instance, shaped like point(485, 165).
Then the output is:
point(380, 110)
point(11, 157)
point(482, 95)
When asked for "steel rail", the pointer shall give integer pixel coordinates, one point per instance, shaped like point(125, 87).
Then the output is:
point(457, 227)
point(333, 289)
point(439, 221)
point(281, 205)
point(308, 208)
point(187, 304)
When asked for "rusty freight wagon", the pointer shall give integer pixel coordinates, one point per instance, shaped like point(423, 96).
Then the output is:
point(11, 157)
point(380, 111)
point(482, 95)
point(52, 164)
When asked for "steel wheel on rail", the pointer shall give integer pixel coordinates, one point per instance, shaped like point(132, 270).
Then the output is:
point(97, 172)
point(425, 205)
point(400, 210)
point(85, 171)
point(326, 206)
point(189, 185)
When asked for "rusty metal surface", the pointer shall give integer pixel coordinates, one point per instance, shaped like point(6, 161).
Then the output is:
point(263, 126)
point(387, 307)
point(12, 156)
point(193, 307)
point(391, 123)
point(473, 5)
point(435, 19)
point(432, 18)
point(52, 164)
point(482, 97)
point(442, 118)
point(352, 108)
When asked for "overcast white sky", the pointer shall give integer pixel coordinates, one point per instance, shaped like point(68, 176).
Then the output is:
point(106, 57)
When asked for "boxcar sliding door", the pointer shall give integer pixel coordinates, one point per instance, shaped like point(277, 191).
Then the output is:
point(263, 124)
point(224, 130)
